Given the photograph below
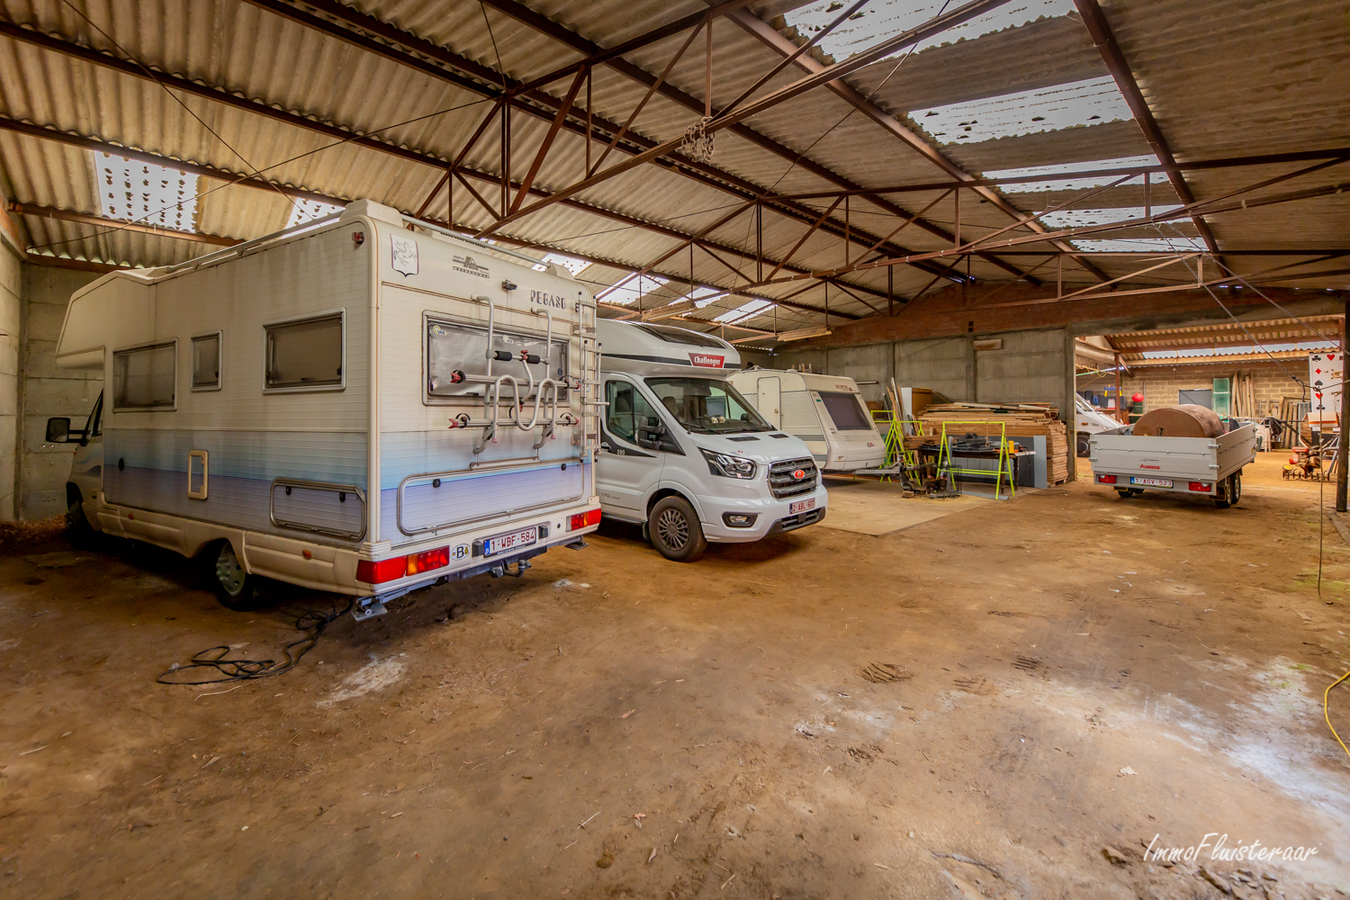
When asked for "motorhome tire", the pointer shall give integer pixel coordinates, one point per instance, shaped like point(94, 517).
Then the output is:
point(1232, 492)
point(675, 530)
point(79, 532)
point(235, 588)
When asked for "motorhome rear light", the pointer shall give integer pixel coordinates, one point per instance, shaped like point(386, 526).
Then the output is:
point(1106, 479)
point(585, 520)
point(371, 572)
point(427, 560)
point(1201, 486)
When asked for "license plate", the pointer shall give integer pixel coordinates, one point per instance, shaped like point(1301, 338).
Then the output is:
point(1152, 482)
point(801, 506)
point(512, 541)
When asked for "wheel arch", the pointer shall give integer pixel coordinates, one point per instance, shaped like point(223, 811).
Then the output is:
point(73, 494)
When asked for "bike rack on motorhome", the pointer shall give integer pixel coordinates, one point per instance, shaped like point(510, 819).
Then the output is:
point(365, 404)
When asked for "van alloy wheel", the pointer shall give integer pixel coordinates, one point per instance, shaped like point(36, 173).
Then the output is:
point(674, 530)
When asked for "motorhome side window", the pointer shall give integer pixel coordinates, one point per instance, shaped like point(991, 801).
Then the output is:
point(305, 354)
point(846, 410)
point(206, 362)
point(144, 378)
point(455, 351)
point(626, 411)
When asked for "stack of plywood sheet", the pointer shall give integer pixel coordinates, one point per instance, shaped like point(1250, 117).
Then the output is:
point(1013, 419)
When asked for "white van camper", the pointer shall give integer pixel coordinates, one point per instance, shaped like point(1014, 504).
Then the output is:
point(684, 454)
point(826, 412)
point(352, 405)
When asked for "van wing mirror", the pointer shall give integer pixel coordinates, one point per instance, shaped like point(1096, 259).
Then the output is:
point(651, 435)
point(58, 430)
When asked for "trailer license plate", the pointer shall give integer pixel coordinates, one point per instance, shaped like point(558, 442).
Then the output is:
point(503, 542)
point(801, 506)
point(1152, 482)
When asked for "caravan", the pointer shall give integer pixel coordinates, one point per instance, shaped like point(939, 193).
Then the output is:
point(364, 404)
point(826, 411)
point(684, 454)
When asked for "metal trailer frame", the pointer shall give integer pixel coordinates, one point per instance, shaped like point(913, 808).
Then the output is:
point(1199, 466)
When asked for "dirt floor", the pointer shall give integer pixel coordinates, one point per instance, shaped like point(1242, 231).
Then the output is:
point(1012, 701)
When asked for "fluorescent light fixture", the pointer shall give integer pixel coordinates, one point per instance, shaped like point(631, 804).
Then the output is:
point(147, 193)
point(303, 211)
point(1147, 245)
point(570, 263)
point(1068, 169)
point(1095, 101)
point(881, 20)
point(631, 289)
point(1081, 218)
point(743, 312)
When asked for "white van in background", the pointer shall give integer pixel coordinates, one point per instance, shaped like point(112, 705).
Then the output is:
point(684, 454)
point(826, 412)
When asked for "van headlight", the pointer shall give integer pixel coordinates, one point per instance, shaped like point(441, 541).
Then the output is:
point(728, 466)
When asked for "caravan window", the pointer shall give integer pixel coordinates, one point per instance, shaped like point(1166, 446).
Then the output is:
point(206, 362)
point(144, 378)
point(846, 410)
point(453, 348)
point(305, 354)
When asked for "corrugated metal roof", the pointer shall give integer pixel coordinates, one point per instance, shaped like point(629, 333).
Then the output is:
point(1290, 96)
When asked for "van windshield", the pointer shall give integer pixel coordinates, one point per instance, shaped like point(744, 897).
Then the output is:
point(707, 405)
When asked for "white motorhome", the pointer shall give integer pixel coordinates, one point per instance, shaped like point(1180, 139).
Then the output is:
point(684, 454)
point(826, 412)
point(365, 404)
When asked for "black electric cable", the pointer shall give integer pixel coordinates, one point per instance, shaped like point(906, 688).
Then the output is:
point(314, 621)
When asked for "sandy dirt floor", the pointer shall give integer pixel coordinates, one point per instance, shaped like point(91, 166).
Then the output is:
point(1011, 701)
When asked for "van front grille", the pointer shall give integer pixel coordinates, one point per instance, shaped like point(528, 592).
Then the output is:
point(783, 480)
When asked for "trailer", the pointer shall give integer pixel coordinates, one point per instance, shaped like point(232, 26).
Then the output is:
point(825, 412)
point(363, 404)
point(1200, 466)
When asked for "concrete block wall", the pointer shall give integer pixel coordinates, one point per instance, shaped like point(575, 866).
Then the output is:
point(47, 391)
point(11, 330)
point(1161, 386)
point(1029, 367)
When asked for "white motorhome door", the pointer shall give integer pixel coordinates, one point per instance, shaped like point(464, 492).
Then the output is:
point(624, 470)
point(768, 399)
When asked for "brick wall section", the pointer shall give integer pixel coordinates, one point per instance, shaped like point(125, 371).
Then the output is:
point(1160, 385)
point(48, 391)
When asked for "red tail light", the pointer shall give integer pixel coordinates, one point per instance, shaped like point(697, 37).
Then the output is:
point(428, 559)
point(585, 520)
point(372, 572)
point(1106, 479)
point(1201, 486)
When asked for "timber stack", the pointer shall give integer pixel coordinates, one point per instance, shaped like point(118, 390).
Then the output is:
point(1013, 419)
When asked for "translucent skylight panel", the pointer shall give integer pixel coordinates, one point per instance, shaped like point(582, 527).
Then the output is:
point(1142, 245)
point(884, 19)
point(146, 193)
point(309, 210)
point(631, 289)
point(1067, 169)
point(705, 296)
point(1095, 101)
point(743, 312)
point(570, 263)
point(1080, 218)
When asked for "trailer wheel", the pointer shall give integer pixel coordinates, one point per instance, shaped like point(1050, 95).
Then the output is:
point(235, 588)
point(1232, 491)
point(1124, 493)
point(675, 530)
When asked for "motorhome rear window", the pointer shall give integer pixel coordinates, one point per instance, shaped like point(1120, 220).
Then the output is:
point(206, 362)
point(455, 350)
point(846, 410)
point(680, 336)
point(305, 354)
point(144, 378)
